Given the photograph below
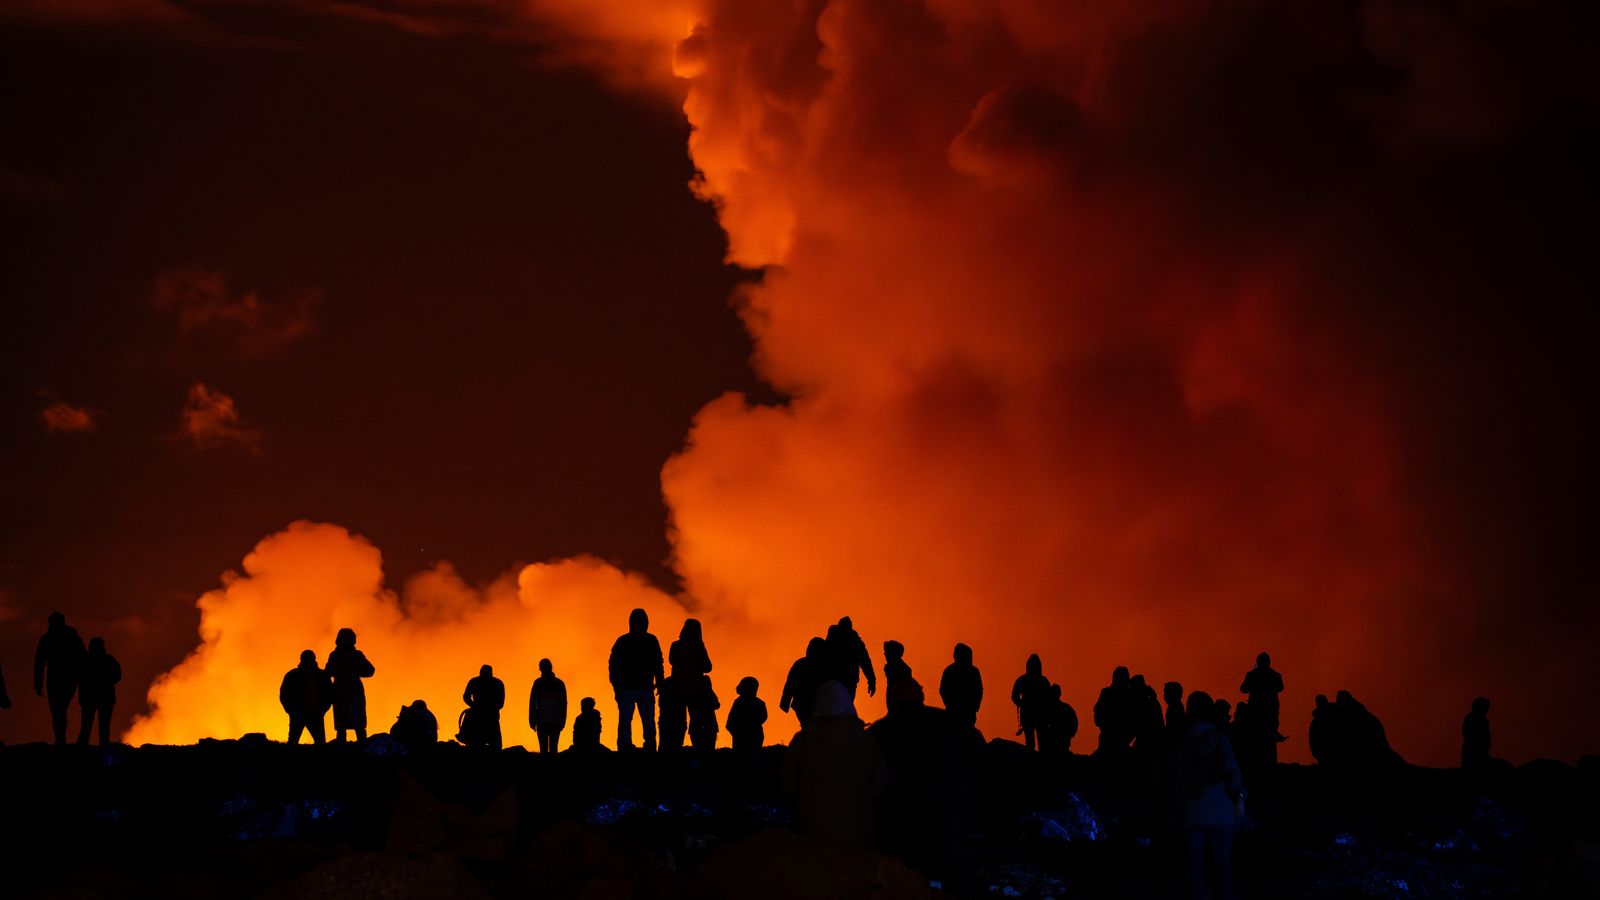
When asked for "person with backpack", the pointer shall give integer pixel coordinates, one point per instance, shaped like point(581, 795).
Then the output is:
point(480, 721)
point(1210, 798)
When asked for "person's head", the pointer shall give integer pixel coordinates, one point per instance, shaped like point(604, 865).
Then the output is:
point(308, 657)
point(1343, 698)
point(345, 638)
point(691, 630)
point(1055, 691)
point(1322, 701)
point(1119, 676)
point(1481, 706)
point(1201, 706)
point(97, 647)
point(545, 668)
point(833, 702)
point(638, 621)
point(1137, 681)
point(1035, 665)
point(586, 704)
point(1172, 692)
point(1263, 660)
point(817, 649)
point(748, 686)
point(420, 705)
point(57, 620)
point(845, 624)
point(894, 650)
point(1221, 710)
point(486, 671)
point(963, 654)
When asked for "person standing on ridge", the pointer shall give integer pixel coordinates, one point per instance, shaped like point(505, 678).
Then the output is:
point(346, 667)
point(961, 686)
point(97, 692)
point(547, 707)
point(636, 670)
point(305, 694)
point(58, 666)
point(805, 676)
point(485, 696)
point(848, 658)
point(1031, 695)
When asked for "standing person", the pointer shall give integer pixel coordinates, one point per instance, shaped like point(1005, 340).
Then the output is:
point(1058, 726)
point(347, 666)
point(1211, 790)
point(97, 692)
point(1115, 712)
point(305, 694)
point(1475, 735)
point(485, 696)
point(1031, 695)
point(1262, 685)
point(636, 670)
point(1177, 724)
point(899, 687)
point(961, 686)
point(58, 665)
point(5, 698)
point(586, 727)
point(746, 718)
point(547, 707)
point(848, 658)
point(805, 676)
point(836, 772)
point(691, 684)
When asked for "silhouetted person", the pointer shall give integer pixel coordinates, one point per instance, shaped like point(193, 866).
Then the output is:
point(1030, 693)
point(835, 772)
point(898, 685)
point(347, 666)
point(1322, 736)
point(305, 694)
point(636, 670)
point(805, 676)
point(5, 698)
point(1361, 737)
point(97, 691)
point(485, 696)
point(547, 707)
point(961, 686)
point(673, 710)
point(58, 665)
point(848, 658)
point(747, 716)
point(1475, 735)
point(586, 727)
point(1211, 790)
point(1115, 712)
point(416, 727)
point(1222, 717)
point(925, 812)
point(1059, 725)
point(1246, 735)
point(1145, 714)
point(1263, 685)
point(691, 677)
point(1177, 724)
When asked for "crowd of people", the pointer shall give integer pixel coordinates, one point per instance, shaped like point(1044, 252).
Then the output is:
point(899, 784)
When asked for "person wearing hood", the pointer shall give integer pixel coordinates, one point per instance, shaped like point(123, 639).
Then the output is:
point(1031, 695)
point(848, 659)
point(636, 671)
point(836, 773)
point(691, 684)
point(961, 686)
point(805, 676)
point(1210, 793)
point(57, 669)
point(346, 667)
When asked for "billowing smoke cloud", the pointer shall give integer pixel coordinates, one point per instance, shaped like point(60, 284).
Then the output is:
point(211, 420)
point(1103, 325)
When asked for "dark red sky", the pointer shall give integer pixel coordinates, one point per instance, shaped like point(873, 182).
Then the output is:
point(1285, 312)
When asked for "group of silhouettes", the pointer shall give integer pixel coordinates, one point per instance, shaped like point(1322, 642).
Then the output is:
point(63, 669)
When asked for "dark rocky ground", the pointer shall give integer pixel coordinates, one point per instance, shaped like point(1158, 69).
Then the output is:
point(251, 818)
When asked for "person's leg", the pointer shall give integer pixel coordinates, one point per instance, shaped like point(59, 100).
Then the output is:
point(1220, 841)
point(1194, 852)
point(86, 724)
point(105, 723)
point(647, 719)
point(296, 725)
point(318, 730)
point(555, 740)
point(361, 735)
point(625, 704)
point(60, 706)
